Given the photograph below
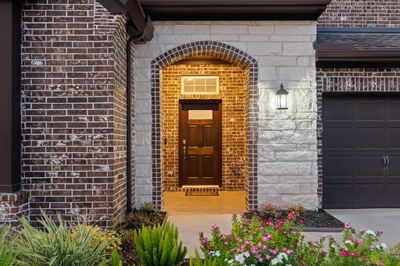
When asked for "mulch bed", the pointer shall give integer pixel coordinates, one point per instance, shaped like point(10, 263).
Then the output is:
point(319, 221)
point(133, 221)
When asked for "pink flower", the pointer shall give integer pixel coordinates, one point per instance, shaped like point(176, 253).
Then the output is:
point(261, 228)
point(260, 259)
point(204, 241)
point(293, 212)
point(347, 226)
point(380, 231)
point(289, 252)
point(254, 250)
point(290, 218)
point(345, 253)
point(239, 240)
point(226, 243)
point(356, 254)
point(214, 226)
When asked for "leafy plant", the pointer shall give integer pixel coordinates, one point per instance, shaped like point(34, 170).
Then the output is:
point(115, 260)
point(7, 254)
point(197, 261)
point(99, 234)
point(147, 216)
point(58, 244)
point(158, 245)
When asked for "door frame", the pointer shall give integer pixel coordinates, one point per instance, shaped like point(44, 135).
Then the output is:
point(210, 102)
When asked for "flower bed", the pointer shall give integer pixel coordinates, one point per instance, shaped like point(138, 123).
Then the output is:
point(280, 242)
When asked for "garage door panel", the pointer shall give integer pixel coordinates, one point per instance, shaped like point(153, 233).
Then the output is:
point(338, 195)
point(338, 138)
point(392, 110)
point(393, 138)
point(369, 195)
point(369, 110)
point(338, 166)
point(338, 110)
point(394, 167)
point(368, 166)
point(370, 138)
point(392, 192)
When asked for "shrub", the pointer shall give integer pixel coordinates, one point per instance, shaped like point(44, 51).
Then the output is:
point(253, 242)
point(115, 260)
point(58, 244)
point(147, 216)
point(197, 261)
point(277, 242)
point(359, 248)
point(109, 236)
point(269, 210)
point(158, 245)
point(7, 254)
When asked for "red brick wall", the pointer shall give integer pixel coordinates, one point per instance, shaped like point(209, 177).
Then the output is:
point(234, 95)
point(74, 122)
point(361, 13)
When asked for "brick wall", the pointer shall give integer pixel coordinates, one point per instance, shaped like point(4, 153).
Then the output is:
point(350, 80)
point(234, 95)
point(74, 123)
point(361, 13)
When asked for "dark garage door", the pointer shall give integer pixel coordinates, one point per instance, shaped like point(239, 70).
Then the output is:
point(361, 151)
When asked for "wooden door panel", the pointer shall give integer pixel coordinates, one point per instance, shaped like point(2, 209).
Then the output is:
point(200, 143)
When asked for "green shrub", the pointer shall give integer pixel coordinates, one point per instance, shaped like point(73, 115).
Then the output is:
point(115, 260)
point(7, 254)
point(197, 261)
point(158, 245)
point(58, 244)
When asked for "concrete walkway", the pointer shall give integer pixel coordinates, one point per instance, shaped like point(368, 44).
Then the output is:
point(190, 225)
point(387, 220)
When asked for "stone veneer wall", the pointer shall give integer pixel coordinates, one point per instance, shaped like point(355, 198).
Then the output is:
point(73, 118)
point(287, 142)
point(361, 13)
point(358, 80)
point(234, 95)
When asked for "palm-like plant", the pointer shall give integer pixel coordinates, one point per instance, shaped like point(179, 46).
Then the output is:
point(58, 244)
point(7, 254)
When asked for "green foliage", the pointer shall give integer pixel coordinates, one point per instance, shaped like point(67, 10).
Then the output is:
point(197, 261)
point(147, 216)
point(58, 244)
point(115, 260)
point(7, 254)
point(158, 245)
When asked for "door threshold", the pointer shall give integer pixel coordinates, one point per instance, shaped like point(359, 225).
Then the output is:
point(200, 186)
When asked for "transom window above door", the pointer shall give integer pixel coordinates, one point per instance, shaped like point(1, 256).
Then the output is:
point(200, 85)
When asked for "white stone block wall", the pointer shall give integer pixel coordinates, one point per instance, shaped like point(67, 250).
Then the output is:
point(287, 144)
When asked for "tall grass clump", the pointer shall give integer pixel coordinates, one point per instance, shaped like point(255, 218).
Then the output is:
point(58, 244)
point(7, 254)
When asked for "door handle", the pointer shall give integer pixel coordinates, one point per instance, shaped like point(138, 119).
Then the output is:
point(184, 148)
point(387, 162)
point(384, 162)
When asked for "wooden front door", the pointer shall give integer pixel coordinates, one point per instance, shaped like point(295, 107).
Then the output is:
point(200, 142)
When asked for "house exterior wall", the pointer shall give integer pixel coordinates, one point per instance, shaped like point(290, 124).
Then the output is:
point(73, 113)
point(361, 14)
point(233, 91)
point(287, 142)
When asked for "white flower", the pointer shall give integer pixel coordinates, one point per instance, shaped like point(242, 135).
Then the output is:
point(348, 242)
point(239, 258)
point(371, 233)
point(230, 262)
point(275, 261)
point(246, 254)
point(384, 246)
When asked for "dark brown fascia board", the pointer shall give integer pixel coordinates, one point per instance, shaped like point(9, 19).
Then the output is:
point(139, 26)
point(234, 9)
point(358, 58)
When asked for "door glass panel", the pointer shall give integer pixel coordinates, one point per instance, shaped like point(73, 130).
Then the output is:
point(200, 114)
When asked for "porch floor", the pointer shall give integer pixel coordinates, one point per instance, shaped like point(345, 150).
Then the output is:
point(227, 202)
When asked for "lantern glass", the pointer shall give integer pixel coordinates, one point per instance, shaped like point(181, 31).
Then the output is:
point(282, 98)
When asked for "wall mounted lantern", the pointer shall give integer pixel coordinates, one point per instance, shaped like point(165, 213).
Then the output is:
point(282, 98)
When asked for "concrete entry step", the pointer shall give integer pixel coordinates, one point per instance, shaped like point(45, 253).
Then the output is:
point(227, 202)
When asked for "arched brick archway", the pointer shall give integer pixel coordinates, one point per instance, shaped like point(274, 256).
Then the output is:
point(219, 51)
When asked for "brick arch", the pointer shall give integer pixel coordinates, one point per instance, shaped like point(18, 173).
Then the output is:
point(219, 51)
